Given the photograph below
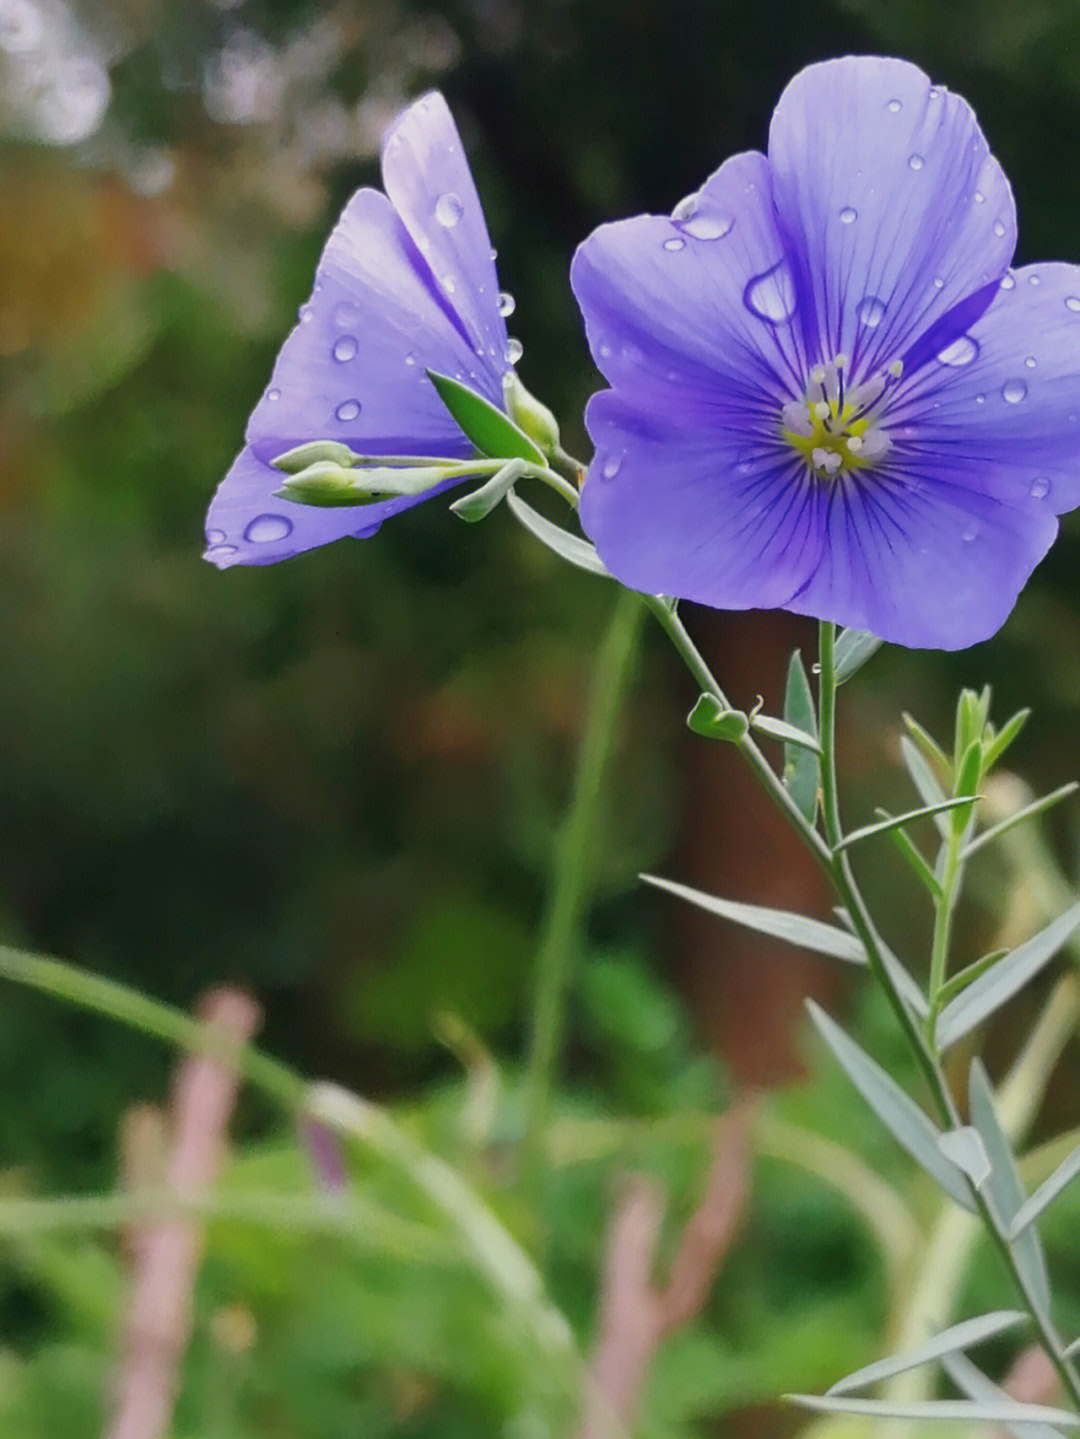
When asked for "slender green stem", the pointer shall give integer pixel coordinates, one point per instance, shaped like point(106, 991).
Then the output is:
point(951, 875)
point(830, 802)
point(572, 870)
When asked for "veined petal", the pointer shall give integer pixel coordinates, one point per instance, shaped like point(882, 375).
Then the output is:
point(1002, 403)
point(696, 309)
point(688, 512)
point(248, 525)
point(896, 211)
point(428, 181)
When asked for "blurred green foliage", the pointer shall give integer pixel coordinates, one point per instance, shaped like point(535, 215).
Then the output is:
point(337, 781)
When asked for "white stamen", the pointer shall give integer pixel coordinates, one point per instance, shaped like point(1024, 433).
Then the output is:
point(827, 460)
point(797, 418)
point(875, 443)
point(854, 444)
point(896, 369)
point(822, 410)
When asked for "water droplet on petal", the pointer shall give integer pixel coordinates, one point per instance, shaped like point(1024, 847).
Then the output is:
point(870, 311)
point(999, 228)
point(448, 210)
point(970, 533)
point(216, 552)
point(1030, 362)
point(932, 94)
point(1072, 302)
point(961, 352)
point(605, 351)
point(980, 399)
point(1013, 391)
point(686, 208)
point(266, 528)
point(345, 316)
point(507, 304)
point(215, 537)
point(708, 227)
point(895, 106)
point(611, 467)
point(348, 410)
point(979, 197)
point(514, 351)
point(939, 283)
point(304, 314)
point(1033, 280)
point(1008, 281)
point(771, 296)
point(848, 215)
point(674, 243)
point(410, 358)
point(449, 284)
point(345, 349)
point(274, 394)
point(1040, 488)
point(916, 162)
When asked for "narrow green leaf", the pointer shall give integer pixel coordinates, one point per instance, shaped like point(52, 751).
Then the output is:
point(926, 742)
point(991, 990)
point(711, 719)
point(968, 1411)
point(924, 779)
point(802, 767)
point(959, 1336)
point(970, 721)
point(970, 1380)
point(1004, 1189)
point(1046, 1193)
point(789, 733)
point(916, 859)
point(895, 821)
point(1028, 812)
point(853, 648)
point(776, 923)
point(967, 783)
point(490, 429)
point(1004, 738)
point(899, 1113)
point(967, 1150)
point(568, 547)
point(960, 981)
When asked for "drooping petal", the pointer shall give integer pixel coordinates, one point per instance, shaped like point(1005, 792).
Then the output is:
point(895, 209)
point(1002, 403)
point(695, 310)
point(687, 512)
point(248, 525)
point(428, 181)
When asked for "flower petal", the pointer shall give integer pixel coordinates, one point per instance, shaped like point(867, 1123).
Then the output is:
point(248, 525)
point(672, 306)
point(1002, 404)
point(895, 208)
point(427, 178)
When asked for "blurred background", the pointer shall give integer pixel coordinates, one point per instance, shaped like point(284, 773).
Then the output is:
point(336, 782)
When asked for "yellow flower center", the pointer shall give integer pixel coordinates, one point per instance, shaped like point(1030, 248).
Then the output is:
point(835, 428)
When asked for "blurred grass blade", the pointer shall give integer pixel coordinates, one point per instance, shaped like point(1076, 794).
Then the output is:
point(969, 1411)
point(567, 546)
point(1004, 1188)
point(924, 779)
point(802, 768)
point(970, 1380)
point(490, 429)
point(899, 1113)
point(959, 1336)
point(853, 649)
point(895, 821)
point(776, 923)
point(1028, 812)
point(1046, 1193)
point(991, 990)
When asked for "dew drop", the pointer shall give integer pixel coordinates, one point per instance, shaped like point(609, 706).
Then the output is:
point(274, 394)
point(304, 314)
point(999, 228)
point(933, 94)
point(686, 208)
point(448, 210)
point(344, 349)
point(1008, 281)
point(771, 296)
point(674, 243)
point(1013, 391)
point(707, 227)
point(348, 410)
point(939, 283)
point(971, 533)
point(1072, 302)
point(1033, 279)
point(514, 351)
point(605, 351)
point(612, 466)
point(449, 284)
point(1030, 362)
point(266, 528)
point(980, 399)
point(961, 352)
point(870, 311)
point(507, 304)
point(215, 537)
point(916, 162)
point(410, 358)
point(979, 197)
point(848, 215)
point(1040, 488)
point(896, 106)
point(216, 552)
point(345, 315)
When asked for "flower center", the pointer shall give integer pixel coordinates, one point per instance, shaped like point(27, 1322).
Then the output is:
point(836, 427)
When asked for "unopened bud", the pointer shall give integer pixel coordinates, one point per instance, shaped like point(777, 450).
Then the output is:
point(529, 414)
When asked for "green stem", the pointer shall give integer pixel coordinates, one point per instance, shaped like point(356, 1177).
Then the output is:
point(572, 871)
point(830, 802)
point(951, 876)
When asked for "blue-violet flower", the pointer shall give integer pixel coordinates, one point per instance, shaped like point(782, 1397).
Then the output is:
point(829, 393)
point(406, 283)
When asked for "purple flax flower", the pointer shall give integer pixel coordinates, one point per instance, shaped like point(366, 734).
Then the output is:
point(829, 392)
point(406, 283)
